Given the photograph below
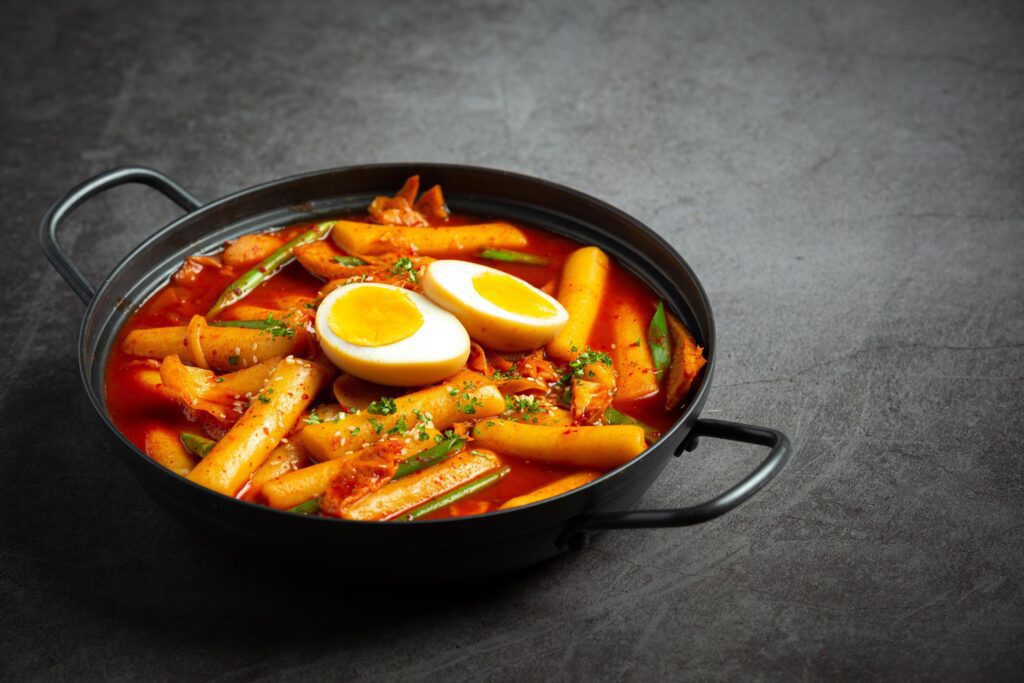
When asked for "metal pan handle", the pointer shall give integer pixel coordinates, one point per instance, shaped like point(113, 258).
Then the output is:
point(738, 494)
point(90, 188)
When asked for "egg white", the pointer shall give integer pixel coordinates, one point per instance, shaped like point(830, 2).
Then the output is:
point(449, 283)
point(436, 351)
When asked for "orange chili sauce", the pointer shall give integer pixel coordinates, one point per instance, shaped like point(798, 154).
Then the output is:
point(137, 407)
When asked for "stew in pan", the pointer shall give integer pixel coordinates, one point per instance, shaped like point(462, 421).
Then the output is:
point(400, 364)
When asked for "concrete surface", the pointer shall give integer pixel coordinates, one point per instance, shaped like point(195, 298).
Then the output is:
point(847, 180)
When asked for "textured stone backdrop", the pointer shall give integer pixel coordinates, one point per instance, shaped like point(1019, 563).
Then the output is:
point(846, 178)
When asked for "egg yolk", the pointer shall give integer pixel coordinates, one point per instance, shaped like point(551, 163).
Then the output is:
point(512, 295)
point(374, 316)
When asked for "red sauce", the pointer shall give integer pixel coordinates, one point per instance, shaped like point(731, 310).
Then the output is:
point(137, 406)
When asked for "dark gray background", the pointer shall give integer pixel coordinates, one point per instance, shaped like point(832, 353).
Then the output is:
point(846, 179)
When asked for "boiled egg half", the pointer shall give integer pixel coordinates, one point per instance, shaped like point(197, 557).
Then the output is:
point(389, 335)
point(499, 310)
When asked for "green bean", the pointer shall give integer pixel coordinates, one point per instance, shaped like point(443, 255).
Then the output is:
point(349, 260)
point(310, 507)
point(249, 281)
point(510, 256)
point(198, 446)
point(275, 327)
point(616, 417)
point(456, 494)
point(657, 338)
point(431, 456)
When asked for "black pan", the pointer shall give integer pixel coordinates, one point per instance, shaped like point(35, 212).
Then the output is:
point(446, 548)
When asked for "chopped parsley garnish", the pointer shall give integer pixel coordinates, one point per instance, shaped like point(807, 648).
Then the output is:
point(233, 360)
point(523, 404)
point(353, 431)
point(278, 328)
point(446, 436)
point(383, 406)
point(470, 405)
point(313, 419)
point(590, 356)
point(263, 399)
point(453, 392)
point(400, 427)
point(511, 373)
point(584, 359)
point(377, 425)
point(219, 380)
point(421, 424)
point(405, 267)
